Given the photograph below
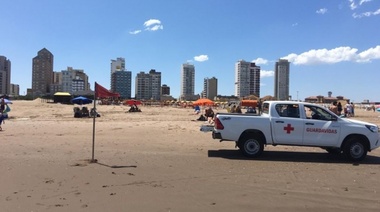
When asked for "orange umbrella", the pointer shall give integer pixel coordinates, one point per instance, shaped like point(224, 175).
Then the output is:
point(251, 103)
point(203, 101)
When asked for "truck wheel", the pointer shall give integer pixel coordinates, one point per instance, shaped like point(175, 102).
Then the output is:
point(251, 147)
point(354, 149)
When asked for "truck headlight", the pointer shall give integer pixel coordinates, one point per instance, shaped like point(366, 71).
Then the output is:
point(372, 128)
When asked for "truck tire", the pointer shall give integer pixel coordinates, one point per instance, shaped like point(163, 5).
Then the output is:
point(251, 147)
point(354, 149)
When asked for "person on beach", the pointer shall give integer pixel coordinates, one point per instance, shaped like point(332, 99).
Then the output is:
point(2, 105)
point(334, 108)
point(340, 108)
point(2, 110)
point(209, 113)
point(197, 109)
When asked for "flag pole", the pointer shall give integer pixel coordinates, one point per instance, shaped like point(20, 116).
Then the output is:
point(93, 160)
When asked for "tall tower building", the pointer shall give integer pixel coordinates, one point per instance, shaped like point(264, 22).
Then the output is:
point(42, 72)
point(148, 86)
point(15, 90)
point(165, 90)
point(187, 81)
point(117, 65)
point(247, 79)
point(155, 84)
point(281, 80)
point(121, 79)
point(121, 83)
point(5, 76)
point(210, 88)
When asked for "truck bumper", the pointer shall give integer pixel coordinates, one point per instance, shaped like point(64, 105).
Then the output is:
point(216, 135)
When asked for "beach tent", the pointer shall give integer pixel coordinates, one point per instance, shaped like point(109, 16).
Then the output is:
point(62, 97)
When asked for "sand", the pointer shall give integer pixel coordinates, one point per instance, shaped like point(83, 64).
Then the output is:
point(158, 160)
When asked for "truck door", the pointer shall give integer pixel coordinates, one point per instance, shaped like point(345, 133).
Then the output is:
point(287, 127)
point(321, 127)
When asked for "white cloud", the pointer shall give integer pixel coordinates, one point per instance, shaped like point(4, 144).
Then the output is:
point(264, 73)
point(201, 58)
point(135, 32)
point(260, 61)
point(366, 14)
point(364, 1)
point(295, 24)
point(151, 22)
point(153, 25)
point(150, 25)
point(331, 56)
point(369, 54)
point(352, 4)
point(321, 11)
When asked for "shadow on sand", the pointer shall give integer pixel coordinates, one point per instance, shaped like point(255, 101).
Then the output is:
point(115, 167)
point(95, 161)
point(290, 156)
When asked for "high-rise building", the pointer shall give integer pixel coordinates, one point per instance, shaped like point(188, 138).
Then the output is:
point(148, 86)
point(70, 80)
point(247, 79)
point(155, 84)
point(165, 90)
point(187, 81)
point(121, 79)
point(74, 80)
point(42, 72)
point(281, 80)
point(117, 65)
point(5, 76)
point(15, 90)
point(121, 83)
point(210, 88)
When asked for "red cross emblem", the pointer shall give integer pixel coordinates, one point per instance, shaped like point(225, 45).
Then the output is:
point(289, 128)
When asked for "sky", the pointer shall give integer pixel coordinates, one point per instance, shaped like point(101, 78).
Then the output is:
point(333, 45)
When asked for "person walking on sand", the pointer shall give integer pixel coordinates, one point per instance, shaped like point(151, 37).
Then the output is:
point(340, 108)
point(2, 109)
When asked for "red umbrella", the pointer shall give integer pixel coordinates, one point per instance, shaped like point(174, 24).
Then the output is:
point(203, 101)
point(132, 102)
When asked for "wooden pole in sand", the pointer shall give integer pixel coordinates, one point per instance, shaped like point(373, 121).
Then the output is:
point(93, 160)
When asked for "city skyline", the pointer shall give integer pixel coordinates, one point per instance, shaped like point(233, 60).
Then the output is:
point(331, 46)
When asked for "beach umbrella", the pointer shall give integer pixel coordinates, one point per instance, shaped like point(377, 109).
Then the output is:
point(81, 100)
point(6, 101)
point(132, 102)
point(203, 101)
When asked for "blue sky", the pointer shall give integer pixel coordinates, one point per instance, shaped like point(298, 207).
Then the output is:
point(333, 45)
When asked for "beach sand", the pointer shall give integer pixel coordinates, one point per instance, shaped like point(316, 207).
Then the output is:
point(158, 160)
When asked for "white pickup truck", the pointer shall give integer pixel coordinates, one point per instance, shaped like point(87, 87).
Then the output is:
point(297, 124)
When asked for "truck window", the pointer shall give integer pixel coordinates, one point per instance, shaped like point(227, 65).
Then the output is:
point(288, 110)
point(265, 108)
point(314, 112)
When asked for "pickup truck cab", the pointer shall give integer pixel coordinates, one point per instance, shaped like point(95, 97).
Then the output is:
point(298, 124)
